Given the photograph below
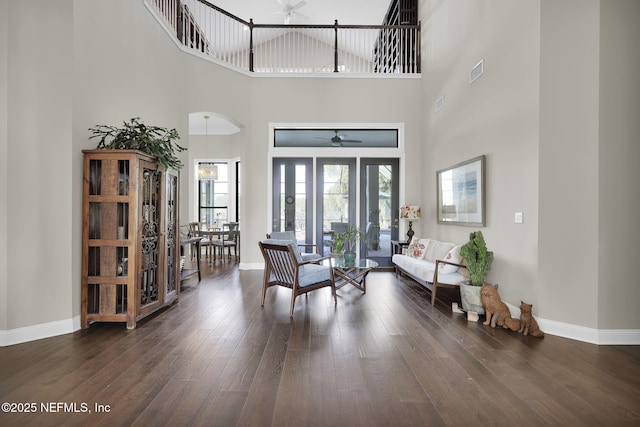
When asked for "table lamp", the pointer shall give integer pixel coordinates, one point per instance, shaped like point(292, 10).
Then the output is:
point(411, 213)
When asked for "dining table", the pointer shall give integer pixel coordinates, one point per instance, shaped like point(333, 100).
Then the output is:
point(212, 233)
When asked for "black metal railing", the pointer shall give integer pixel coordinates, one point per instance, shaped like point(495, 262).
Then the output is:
point(270, 48)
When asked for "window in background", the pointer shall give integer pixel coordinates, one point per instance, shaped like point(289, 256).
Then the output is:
point(213, 198)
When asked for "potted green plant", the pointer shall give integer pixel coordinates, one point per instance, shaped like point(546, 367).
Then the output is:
point(135, 135)
point(478, 261)
point(338, 242)
point(351, 238)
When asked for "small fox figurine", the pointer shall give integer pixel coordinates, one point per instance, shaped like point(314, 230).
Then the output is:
point(528, 324)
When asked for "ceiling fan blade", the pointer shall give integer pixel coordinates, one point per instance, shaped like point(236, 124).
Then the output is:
point(297, 5)
point(351, 140)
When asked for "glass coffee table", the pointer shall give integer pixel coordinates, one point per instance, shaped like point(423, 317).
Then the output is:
point(351, 273)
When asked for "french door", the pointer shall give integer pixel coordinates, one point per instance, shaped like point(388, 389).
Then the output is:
point(336, 200)
point(379, 208)
point(293, 197)
point(361, 192)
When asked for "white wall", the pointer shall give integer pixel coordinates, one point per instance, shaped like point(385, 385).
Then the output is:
point(619, 152)
point(496, 115)
point(4, 172)
point(38, 162)
point(569, 107)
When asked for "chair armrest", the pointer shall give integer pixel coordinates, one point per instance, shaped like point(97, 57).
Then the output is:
point(317, 260)
point(311, 245)
point(441, 261)
point(437, 269)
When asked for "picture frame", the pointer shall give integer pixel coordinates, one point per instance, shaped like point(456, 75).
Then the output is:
point(461, 193)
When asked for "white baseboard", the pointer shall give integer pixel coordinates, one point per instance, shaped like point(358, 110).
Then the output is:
point(37, 332)
point(581, 333)
point(251, 266)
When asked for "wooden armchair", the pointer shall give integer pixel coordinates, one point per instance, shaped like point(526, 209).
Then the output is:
point(284, 267)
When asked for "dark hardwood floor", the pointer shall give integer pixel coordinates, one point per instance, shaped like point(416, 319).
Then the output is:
point(384, 358)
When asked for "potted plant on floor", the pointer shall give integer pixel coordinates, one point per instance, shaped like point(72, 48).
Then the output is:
point(479, 261)
point(135, 135)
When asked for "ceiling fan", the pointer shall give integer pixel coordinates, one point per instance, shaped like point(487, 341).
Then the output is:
point(291, 10)
point(338, 139)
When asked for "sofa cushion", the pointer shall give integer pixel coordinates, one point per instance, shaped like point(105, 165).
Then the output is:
point(431, 247)
point(417, 248)
point(311, 274)
point(452, 256)
point(423, 270)
point(441, 250)
point(416, 267)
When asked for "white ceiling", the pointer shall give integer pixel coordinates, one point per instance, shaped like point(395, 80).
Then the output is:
point(347, 12)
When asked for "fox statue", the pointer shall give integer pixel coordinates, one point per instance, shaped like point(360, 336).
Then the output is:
point(528, 324)
point(497, 311)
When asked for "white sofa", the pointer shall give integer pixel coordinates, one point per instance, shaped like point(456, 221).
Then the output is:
point(433, 264)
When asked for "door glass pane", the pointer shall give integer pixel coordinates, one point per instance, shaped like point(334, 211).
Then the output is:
point(292, 197)
point(336, 201)
point(378, 208)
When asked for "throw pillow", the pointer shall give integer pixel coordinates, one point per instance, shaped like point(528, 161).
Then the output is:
point(417, 248)
point(452, 256)
point(429, 254)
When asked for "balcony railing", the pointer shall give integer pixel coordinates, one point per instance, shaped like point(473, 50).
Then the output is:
point(266, 48)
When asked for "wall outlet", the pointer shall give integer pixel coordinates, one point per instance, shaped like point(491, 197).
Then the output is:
point(519, 218)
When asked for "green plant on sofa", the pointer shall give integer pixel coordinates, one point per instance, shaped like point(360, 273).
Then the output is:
point(135, 135)
point(478, 258)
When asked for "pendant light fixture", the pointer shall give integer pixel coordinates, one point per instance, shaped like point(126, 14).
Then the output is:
point(207, 170)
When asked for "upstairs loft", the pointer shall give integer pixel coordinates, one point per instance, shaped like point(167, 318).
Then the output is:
point(390, 49)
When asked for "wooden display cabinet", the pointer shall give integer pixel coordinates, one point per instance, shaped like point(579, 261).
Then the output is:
point(130, 237)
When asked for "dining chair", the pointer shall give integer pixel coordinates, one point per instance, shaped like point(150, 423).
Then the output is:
point(228, 239)
point(194, 231)
point(336, 228)
point(284, 267)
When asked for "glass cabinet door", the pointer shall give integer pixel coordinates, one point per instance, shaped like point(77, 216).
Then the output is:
point(149, 286)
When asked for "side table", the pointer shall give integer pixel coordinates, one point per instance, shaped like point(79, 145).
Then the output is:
point(398, 245)
point(351, 273)
point(184, 274)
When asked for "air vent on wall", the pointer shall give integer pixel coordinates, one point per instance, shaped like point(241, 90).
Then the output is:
point(440, 103)
point(476, 71)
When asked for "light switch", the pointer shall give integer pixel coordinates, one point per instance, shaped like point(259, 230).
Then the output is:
point(518, 217)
